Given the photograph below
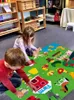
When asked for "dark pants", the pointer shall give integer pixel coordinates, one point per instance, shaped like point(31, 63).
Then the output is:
point(29, 52)
point(16, 81)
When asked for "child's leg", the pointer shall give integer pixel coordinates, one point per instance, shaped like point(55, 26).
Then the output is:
point(16, 75)
point(2, 88)
point(29, 52)
point(16, 81)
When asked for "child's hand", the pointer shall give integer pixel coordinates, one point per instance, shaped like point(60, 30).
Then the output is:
point(19, 94)
point(36, 53)
point(29, 62)
point(39, 49)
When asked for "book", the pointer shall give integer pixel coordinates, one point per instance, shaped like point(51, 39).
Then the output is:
point(1, 10)
point(7, 8)
point(1, 18)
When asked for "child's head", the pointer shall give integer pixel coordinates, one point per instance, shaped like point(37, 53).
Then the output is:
point(14, 58)
point(28, 34)
point(58, 11)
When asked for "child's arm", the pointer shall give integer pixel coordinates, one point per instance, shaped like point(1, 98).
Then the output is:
point(19, 43)
point(23, 75)
point(8, 84)
point(19, 94)
point(33, 47)
point(72, 55)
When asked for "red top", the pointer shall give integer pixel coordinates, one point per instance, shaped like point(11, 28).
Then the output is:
point(56, 17)
point(6, 73)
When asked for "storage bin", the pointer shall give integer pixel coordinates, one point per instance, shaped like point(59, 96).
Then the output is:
point(26, 4)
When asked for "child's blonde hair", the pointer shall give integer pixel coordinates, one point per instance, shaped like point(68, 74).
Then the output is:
point(27, 33)
point(15, 57)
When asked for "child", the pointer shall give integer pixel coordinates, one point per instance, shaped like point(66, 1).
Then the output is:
point(14, 60)
point(25, 43)
point(71, 55)
point(57, 16)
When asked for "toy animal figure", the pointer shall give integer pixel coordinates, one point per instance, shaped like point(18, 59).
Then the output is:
point(63, 82)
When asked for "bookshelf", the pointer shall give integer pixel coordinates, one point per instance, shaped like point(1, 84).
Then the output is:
point(9, 21)
point(38, 20)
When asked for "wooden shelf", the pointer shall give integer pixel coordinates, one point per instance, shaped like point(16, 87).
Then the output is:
point(9, 31)
point(42, 27)
point(36, 21)
point(28, 10)
point(12, 21)
point(8, 13)
point(33, 20)
point(9, 21)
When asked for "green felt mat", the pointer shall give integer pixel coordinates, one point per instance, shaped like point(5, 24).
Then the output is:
point(54, 78)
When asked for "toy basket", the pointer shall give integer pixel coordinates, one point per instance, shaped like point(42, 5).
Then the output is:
point(26, 4)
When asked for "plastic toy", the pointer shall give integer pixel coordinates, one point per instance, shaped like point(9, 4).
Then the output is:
point(50, 60)
point(63, 82)
point(40, 85)
point(45, 67)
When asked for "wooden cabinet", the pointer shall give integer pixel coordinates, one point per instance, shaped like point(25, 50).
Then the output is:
point(36, 20)
point(9, 21)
